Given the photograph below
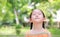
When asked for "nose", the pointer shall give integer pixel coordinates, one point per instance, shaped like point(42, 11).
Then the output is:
point(36, 15)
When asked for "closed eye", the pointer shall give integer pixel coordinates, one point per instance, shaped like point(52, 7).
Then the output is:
point(39, 14)
point(33, 14)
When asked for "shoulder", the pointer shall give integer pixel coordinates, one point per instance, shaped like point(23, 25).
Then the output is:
point(48, 32)
point(28, 32)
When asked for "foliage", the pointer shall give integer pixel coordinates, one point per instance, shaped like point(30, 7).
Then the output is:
point(24, 8)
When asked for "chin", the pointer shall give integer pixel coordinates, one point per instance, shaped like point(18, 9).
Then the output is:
point(37, 20)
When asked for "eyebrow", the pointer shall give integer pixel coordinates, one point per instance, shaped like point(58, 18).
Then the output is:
point(36, 12)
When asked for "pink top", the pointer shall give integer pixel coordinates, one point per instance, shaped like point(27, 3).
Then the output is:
point(42, 34)
point(39, 35)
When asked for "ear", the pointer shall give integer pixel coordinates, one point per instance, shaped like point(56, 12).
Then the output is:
point(44, 19)
point(30, 20)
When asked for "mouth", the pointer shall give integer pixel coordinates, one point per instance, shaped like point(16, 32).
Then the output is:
point(37, 18)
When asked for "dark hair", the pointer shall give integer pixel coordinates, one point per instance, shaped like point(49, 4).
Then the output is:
point(32, 22)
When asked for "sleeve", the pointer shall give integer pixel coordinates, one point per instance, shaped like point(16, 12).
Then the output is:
point(45, 35)
point(27, 34)
point(49, 34)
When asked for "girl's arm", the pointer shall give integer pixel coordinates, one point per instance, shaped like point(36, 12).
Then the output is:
point(27, 34)
point(49, 34)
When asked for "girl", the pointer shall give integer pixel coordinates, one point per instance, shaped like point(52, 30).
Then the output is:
point(37, 18)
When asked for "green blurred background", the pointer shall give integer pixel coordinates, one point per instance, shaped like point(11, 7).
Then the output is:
point(14, 16)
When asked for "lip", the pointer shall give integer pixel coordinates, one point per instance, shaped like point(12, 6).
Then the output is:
point(37, 18)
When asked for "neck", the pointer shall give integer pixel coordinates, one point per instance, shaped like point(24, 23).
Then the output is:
point(37, 26)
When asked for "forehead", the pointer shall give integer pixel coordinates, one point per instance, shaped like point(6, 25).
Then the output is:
point(37, 11)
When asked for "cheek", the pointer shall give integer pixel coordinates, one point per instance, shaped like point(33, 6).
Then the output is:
point(40, 16)
point(33, 17)
point(42, 19)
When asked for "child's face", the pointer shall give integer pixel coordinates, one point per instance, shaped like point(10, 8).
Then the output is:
point(37, 16)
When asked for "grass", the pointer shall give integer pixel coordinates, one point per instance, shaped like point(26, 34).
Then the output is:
point(54, 31)
point(10, 32)
point(7, 30)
